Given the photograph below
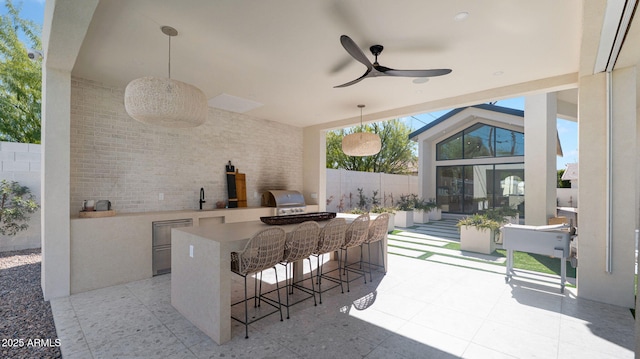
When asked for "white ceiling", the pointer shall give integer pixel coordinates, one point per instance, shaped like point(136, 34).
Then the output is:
point(286, 54)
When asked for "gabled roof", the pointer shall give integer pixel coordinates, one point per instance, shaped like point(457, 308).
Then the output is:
point(571, 172)
point(484, 106)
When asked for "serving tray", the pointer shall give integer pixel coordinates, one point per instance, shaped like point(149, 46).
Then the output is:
point(298, 218)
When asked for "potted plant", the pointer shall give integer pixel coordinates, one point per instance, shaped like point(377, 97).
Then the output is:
point(510, 214)
point(420, 210)
point(477, 233)
point(435, 213)
point(404, 213)
point(389, 210)
point(503, 215)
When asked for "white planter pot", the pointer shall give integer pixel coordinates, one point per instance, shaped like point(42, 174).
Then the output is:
point(420, 216)
point(473, 239)
point(435, 214)
point(513, 220)
point(404, 219)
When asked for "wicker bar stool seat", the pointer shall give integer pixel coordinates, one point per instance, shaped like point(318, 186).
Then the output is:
point(330, 240)
point(377, 232)
point(355, 236)
point(299, 245)
point(264, 250)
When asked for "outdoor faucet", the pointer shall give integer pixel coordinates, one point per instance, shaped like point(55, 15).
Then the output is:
point(202, 197)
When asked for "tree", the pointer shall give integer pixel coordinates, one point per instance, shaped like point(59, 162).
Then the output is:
point(396, 156)
point(16, 203)
point(20, 79)
point(562, 183)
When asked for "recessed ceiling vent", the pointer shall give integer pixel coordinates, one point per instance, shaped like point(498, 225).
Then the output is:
point(233, 103)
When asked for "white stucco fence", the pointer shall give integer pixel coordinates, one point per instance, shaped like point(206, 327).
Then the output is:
point(21, 162)
point(343, 185)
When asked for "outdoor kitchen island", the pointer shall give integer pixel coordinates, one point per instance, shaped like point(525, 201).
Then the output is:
point(201, 272)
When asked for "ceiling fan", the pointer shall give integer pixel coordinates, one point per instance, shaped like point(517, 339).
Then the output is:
point(375, 69)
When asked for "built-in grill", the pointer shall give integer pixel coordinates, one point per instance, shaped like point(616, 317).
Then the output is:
point(286, 202)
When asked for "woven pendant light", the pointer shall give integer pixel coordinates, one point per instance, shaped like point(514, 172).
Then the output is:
point(361, 143)
point(164, 101)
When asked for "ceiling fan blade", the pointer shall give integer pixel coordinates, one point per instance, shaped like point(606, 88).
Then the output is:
point(355, 51)
point(366, 74)
point(414, 73)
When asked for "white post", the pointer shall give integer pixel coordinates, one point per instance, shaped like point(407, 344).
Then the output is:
point(540, 138)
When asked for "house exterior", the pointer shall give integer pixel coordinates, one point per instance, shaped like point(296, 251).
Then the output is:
point(472, 159)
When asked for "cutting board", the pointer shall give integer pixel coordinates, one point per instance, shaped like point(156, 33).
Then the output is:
point(241, 189)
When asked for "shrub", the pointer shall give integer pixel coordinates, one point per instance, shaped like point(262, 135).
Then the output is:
point(480, 221)
point(378, 209)
point(405, 203)
point(15, 205)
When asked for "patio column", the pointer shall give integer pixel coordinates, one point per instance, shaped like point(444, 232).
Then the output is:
point(597, 188)
point(314, 170)
point(540, 113)
point(56, 258)
point(426, 169)
point(61, 42)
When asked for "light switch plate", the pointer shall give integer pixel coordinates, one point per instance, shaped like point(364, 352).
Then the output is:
point(191, 250)
point(160, 196)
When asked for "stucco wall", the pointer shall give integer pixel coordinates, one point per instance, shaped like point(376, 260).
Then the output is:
point(21, 162)
point(129, 163)
point(343, 184)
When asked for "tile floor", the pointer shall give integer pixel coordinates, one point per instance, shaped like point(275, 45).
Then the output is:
point(419, 309)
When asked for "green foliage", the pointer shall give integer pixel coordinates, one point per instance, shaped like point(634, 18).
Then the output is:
point(362, 199)
point(405, 203)
point(357, 211)
point(15, 205)
point(561, 183)
point(396, 156)
point(498, 214)
point(480, 221)
point(378, 209)
point(421, 204)
point(20, 79)
point(375, 200)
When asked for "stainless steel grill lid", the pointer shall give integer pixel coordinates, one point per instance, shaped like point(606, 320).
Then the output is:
point(282, 199)
point(286, 202)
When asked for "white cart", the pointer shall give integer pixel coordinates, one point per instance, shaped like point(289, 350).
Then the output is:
point(552, 240)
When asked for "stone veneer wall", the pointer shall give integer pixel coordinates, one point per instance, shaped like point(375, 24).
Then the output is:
point(20, 162)
point(130, 163)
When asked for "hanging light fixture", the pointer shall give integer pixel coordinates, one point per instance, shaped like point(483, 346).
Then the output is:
point(361, 143)
point(164, 101)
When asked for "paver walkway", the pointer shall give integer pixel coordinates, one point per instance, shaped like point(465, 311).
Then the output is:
point(437, 241)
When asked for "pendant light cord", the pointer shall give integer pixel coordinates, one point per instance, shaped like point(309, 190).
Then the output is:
point(169, 56)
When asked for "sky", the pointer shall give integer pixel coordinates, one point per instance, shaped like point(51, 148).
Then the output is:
point(31, 9)
point(567, 130)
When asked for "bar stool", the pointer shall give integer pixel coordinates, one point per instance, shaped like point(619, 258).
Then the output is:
point(331, 238)
point(300, 243)
point(264, 250)
point(355, 236)
point(377, 231)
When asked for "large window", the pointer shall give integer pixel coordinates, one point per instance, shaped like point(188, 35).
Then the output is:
point(481, 141)
point(474, 188)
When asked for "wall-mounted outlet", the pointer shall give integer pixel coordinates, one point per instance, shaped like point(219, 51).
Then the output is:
point(191, 250)
point(160, 196)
